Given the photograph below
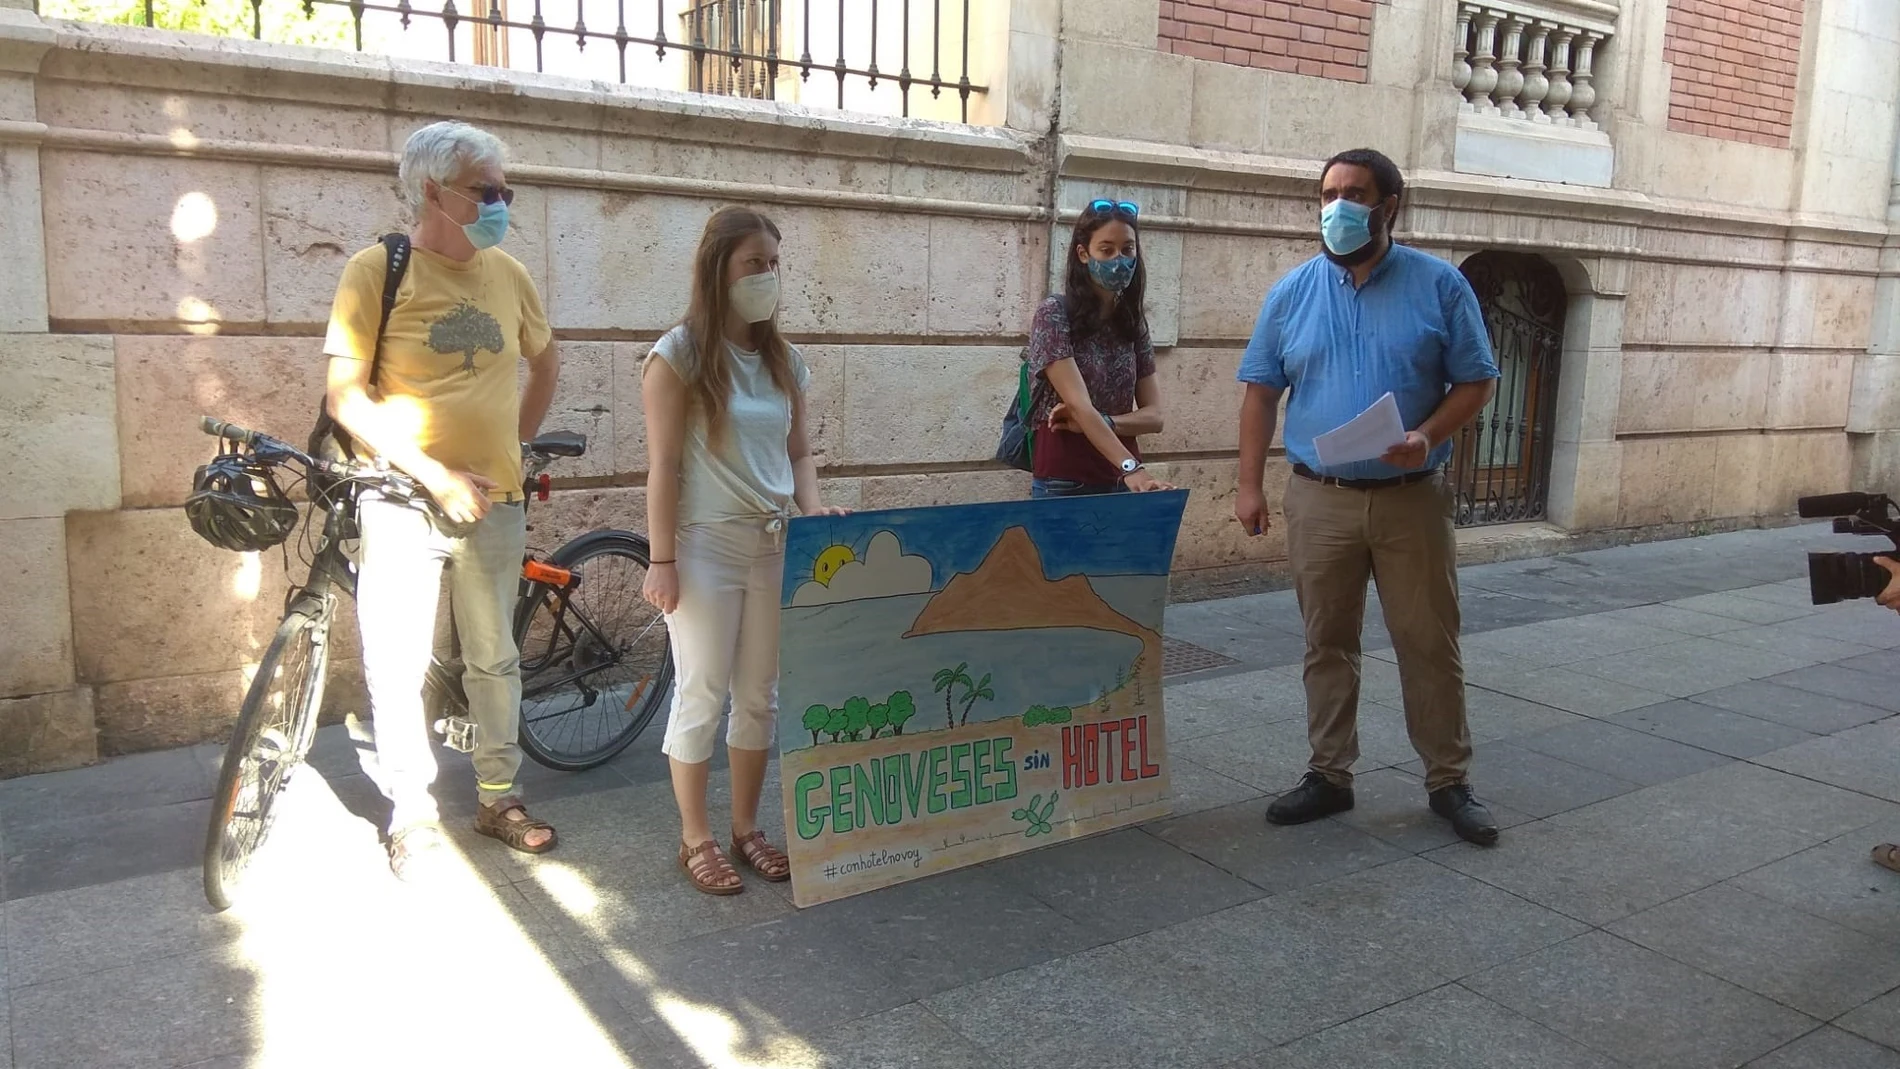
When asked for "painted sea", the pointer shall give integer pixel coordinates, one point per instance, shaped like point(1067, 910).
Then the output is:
point(845, 650)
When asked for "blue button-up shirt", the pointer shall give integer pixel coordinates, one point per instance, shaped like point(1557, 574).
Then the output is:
point(1414, 329)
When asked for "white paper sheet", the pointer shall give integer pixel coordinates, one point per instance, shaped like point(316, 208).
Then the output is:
point(1366, 436)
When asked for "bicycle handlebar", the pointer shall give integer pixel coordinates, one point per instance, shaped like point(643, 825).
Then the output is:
point(230, 432)
point(277, 450)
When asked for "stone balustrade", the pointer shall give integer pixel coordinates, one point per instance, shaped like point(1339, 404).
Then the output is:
point(1534, 62)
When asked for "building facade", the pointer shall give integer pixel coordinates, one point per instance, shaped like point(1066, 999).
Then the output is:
point(1680, 217)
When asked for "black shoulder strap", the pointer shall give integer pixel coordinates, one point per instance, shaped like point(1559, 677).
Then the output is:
point(397, 246)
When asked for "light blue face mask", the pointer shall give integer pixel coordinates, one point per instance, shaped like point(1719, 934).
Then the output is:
point(1345, 226)
point(491, 221)
point(489, 227)
point(1113, 275)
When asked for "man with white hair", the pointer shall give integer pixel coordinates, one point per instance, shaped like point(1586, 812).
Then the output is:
point(433, 391)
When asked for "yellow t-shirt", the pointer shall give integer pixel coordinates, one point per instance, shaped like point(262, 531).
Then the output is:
point(450, 355)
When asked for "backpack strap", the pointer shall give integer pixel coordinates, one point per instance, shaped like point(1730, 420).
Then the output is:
point(397, 247)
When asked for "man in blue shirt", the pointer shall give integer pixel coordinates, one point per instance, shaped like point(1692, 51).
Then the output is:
point(1366, 318)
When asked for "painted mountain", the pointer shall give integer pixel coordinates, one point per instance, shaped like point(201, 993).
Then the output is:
point(1009, 592)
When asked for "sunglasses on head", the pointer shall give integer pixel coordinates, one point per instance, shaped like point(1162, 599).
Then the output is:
point(491, 194)
point(1104, 206)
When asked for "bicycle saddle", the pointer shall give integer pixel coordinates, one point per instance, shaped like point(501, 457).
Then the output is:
point(559, 444)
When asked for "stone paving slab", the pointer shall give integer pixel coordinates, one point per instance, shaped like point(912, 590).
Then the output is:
point(1690, 763)
point(1448, 1027)
point(1710, 728)
point(1812, 965)
point(1666, 1015)
point(1829, 1048)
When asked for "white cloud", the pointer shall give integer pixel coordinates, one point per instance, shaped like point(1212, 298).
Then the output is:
point(886, 571)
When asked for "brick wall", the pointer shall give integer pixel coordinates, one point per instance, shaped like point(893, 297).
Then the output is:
point(1734, 64)
point(1322, 38)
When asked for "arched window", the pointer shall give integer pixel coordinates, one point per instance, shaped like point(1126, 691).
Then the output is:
point(1501, 464)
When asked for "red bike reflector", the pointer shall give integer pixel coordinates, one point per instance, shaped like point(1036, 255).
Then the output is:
point(541, 486)
point(542, 572)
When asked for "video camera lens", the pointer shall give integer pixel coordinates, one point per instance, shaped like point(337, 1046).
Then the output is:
point(1836, 577)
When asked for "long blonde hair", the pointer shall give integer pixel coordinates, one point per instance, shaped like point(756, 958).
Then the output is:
point(709, 378)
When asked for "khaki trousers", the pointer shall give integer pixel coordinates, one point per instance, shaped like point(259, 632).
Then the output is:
point(398, 581)
point(1401, 537)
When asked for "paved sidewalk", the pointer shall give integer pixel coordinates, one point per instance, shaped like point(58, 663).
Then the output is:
point(1692, 763)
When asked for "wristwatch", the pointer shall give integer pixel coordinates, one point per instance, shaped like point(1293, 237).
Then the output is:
point(1130, 466)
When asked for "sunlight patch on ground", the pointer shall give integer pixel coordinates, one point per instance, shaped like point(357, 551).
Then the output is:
point(351, 967)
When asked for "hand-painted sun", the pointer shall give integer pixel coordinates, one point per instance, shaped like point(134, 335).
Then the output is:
point(829, 561)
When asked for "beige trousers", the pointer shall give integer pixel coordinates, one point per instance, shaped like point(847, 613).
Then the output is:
point(399, 578)
point(725, 636)
point(1400, 537)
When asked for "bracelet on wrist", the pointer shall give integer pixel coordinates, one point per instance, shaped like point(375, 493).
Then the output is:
point(651, 563)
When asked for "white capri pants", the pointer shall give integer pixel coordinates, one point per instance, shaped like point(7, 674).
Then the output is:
point(725, 636)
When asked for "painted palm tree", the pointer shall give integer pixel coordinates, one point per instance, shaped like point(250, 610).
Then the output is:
point(947, 680)
point(971, 694)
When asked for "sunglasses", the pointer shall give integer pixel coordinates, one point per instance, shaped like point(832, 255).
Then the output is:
point(491, 194)
point(1104, 206)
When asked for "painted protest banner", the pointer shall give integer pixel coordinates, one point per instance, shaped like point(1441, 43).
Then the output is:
point(965, 682)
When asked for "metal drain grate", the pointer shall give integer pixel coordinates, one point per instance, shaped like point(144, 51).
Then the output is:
point(1179, 658)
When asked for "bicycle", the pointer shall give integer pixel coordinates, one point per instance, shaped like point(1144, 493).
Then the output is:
point(588, 688)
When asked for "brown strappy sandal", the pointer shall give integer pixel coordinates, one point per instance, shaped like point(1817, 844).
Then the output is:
point(704, 865)
point(762, 857)
point(492, 821)
point(1887, 856)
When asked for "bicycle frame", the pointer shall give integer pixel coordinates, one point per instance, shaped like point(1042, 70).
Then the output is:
point(332, 570)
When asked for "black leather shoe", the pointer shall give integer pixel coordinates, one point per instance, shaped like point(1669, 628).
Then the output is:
point(1470, 820)
point(1314, 798)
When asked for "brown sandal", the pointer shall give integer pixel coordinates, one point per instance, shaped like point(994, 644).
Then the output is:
point(492, 821)
point(1887, 856)
point(705, 866)
point(762, 857)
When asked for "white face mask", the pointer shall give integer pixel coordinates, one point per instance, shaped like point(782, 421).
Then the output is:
point(755, 297)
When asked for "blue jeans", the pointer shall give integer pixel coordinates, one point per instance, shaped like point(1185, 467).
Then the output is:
point(1070, 488)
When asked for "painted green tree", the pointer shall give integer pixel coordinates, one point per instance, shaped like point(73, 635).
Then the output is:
point(815, 720)
point(857, 717)
point(468, 330)
point(836, 724)
point(879, 718)
point(902, 708)
point(974, 692)
point(946, 682)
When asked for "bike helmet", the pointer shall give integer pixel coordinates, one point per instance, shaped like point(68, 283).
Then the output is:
point(236, 504)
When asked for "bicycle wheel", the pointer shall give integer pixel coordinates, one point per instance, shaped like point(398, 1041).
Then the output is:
point(273, 733)
point(595, 660)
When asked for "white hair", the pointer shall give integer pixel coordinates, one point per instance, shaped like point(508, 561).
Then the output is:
point(443, 152)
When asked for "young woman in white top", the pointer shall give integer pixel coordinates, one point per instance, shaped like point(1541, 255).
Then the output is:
point(728, 462)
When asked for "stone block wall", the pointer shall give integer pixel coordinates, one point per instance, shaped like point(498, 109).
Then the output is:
point(176, 212)
point(1733, 68)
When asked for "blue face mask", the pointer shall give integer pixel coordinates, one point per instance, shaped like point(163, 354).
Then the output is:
point(1113, 275)
point(489, 227)
point(491, 221)
point(1345, 227)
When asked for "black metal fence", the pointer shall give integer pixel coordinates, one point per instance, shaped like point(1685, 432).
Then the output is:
point(736, 47)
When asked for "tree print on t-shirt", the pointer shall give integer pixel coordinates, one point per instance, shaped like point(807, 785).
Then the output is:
point(467, 330)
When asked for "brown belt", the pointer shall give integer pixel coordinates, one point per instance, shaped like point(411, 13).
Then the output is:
point(1407, 479)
